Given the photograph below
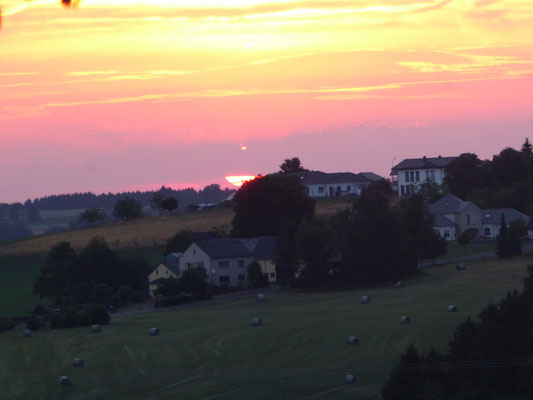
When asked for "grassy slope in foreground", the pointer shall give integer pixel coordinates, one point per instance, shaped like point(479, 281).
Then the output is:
point(213, 352)
point(148, 231)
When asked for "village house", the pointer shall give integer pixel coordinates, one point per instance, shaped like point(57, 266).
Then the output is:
point(454, 216)
point(169, 268)
point(491, 220)
point(324, 184)
point(411, 173)
point(226, 260)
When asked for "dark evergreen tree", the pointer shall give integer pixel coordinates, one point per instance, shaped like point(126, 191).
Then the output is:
point(169, 204)
point(291, 165)
point(504, 240)
point(264, 205)
point(127, 209)
point(315, 248)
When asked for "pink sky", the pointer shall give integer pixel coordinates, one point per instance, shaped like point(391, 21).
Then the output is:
point(123, 95)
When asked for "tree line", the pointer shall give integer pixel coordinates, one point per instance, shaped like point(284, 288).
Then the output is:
point(487, 359)
point(209, 194)
point(377, 240)
point(504, 181)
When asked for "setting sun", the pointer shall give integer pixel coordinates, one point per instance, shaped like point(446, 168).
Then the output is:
point(239, 180)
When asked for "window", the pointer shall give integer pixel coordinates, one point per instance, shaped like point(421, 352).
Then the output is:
point(487, 231)
point(402, 190)
point(432, 172)
point(166, 272)
point(273, 275)
point(446, 233)
point(224, 280)
point(348, 188)
point(240, 263)
point(188, 266)
point(223, 264)
point(427, 175)
point(468, 219)
point(412, 176)
point(418, 176)
point(241, 278)
point(406, 176)
point(321, 189)
point(156, 272)
point(194, 252)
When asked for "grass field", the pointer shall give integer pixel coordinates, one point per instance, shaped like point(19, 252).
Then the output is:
point(148, 231)
point(17, 275)
point(212, 352)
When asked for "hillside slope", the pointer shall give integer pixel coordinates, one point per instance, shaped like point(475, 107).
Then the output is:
point(148, 231)
point(212, 352)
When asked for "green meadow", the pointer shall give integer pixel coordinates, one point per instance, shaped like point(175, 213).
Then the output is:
point(211, 351)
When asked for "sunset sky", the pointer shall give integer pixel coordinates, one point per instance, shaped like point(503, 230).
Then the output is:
point(121, 95)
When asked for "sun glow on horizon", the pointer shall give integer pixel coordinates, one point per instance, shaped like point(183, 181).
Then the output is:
point(239, 180)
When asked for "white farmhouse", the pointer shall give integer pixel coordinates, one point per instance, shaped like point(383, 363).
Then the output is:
point(491, 220)
point(226, 260)
point(413, 172)
point(324, 184)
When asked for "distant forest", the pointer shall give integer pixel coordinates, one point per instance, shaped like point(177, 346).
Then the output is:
point(209, 194)
point(18, 220)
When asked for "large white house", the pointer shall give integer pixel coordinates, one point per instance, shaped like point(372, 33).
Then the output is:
point(226, 260)
point(413, 172)
point(324, 184)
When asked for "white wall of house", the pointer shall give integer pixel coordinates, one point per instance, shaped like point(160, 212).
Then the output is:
point(318, 190)
point(194, 257)
point(490, 231)
point(331, 189)
point(229, 271)
point(447, 232)
point(409, 181)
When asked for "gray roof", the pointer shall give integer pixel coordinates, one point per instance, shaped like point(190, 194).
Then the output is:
point(441, 220)
point(266, 248)
point(172, 262)
point(423, 163)
point(493, 216)
point(370, 175)
point(449, 204)
point(224, 248)
point(262, 248)
point(323, 178)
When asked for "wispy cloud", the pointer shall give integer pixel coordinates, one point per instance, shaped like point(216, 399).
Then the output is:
point(90, 73)
point(18, 73)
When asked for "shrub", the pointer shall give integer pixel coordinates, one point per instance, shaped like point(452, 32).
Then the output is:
point(124, 293)
point(39, 310)
point(57, 321)
point(33, 324)
point(94, 314)
point(137, 296)
point(6, 324)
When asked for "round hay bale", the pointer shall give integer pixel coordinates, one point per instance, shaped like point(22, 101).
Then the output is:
point(27, 333)
point(260, 297)
point(405, 320)
point(365, 299)
point(452, 308)
point(400, 284)
point(352, 340)
point(96, 328)
point(460, 266)
point(257, 321)
point(154, 332)
point(78, 362)
point(64, 380)
point(349, 378)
